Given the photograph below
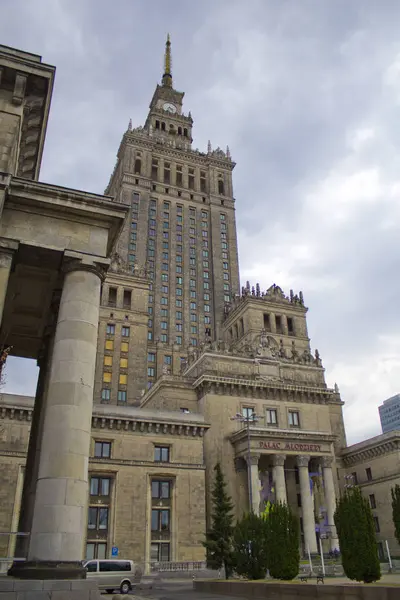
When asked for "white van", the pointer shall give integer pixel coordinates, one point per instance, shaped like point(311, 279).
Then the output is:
point(113, 574)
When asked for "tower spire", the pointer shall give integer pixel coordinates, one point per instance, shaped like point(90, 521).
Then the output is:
point(167, 77)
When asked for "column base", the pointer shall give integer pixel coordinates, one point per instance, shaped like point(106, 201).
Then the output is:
point(48, 589)
point(38, 569)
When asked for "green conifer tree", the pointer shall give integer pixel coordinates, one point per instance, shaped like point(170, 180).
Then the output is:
point(218, 541)
point(396, 510)
point(283, 540)
point(356, 531)
point(250, 547)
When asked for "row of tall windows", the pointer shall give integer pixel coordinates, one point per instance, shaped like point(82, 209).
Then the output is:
point(110, 359)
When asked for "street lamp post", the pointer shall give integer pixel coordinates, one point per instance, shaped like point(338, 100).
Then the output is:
point(248, 419)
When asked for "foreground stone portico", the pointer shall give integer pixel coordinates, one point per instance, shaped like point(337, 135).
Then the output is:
point(55, 248)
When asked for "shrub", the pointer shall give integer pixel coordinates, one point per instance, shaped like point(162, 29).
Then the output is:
point(283, 539)
point(356, 530)
point(250, 547)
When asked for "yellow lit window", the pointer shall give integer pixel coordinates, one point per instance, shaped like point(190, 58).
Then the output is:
point(108, 361)
point(109, 345)
point(123, 379)
point(107, 377)
point(123, 363)
point(124, 346)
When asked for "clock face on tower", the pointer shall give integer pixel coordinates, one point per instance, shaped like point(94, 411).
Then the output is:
point(169, 107)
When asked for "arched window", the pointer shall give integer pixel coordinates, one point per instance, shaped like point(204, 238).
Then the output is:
point(179, 130)
point(162, 126)
point(185, 132)
point(138, 166)
point(221, 186)
point(157, 124)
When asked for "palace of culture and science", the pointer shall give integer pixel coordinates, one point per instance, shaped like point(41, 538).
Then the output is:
point(180, 349)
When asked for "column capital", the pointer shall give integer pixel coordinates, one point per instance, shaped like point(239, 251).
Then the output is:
point(75, 261)
point(252, 459)
point(8, 246)
point(278, 460)
point(302, 460)
point(326, 462)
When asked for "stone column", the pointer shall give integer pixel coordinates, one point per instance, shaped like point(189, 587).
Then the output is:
point(284, 325)
point(7, 250)
point(307, 505)
point(35, 436)
point(330, 499)
point(254, 482)
point(279, 477)
point(60, 512)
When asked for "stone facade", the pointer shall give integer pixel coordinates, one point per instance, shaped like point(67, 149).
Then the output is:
point(374, 465)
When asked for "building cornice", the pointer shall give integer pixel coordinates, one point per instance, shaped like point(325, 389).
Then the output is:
point(263, 388)
point(161, 466)
point(125, 418)
point(270, 432)
point(355, 457)
point(143, 140)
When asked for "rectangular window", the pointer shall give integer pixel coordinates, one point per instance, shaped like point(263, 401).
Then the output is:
point(290, 325)
point(377, 526)
point(164, 300)
point(193, 341)
point(192, 283)
point(127, 298)
point(108, 361)
point(165, 245)
point(178, 327)
point(192, 293)
point(99, 486)
point(105, 394)
point(368, 473)
point(124, 347)
point(121, 395)
point(125, 332)
point(167, 360)
point(161, 454)
point(178, 291)
point(151, 357)
point(107, 377)
point(179, 340)
point(112, 296)
point(110, 329)
point(160, 489)
point(160, 520)
point(278, 324)
point(272, 417)
point(102, 449)
point(123, 378)
point(151, 371)
point(193, 329)
point(178, 303)
point(164, 312)
point(372, 501)
point(98, 518)
point(206, 308)
point(178, 269)
point(248, 412)
point(160, 552)
point(109, 345)
point(294, 418)
point(123, 363)
point(163, 338)
point(267, 322)
point(164, 289)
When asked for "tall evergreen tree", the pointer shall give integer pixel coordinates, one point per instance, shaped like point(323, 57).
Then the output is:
point(283, 539)
point(356, 530)
point(396, 510)
point(218, 541)
point(250, 550)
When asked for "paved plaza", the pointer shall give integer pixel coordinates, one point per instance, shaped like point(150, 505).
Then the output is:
point(183, 589)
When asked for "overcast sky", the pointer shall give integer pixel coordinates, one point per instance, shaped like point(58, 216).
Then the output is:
point(306, 93)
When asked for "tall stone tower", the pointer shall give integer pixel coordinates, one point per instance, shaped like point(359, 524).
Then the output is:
point(181, 227)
